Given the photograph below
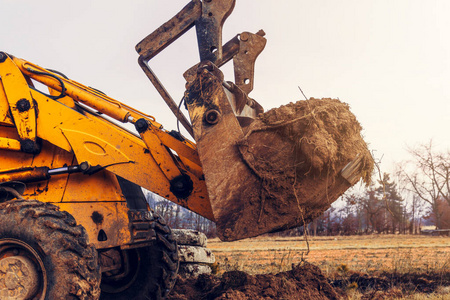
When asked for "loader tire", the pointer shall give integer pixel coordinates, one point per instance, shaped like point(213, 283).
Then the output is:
point(153, 269)
point(44, 254)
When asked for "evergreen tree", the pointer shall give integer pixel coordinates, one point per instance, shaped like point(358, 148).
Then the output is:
point(393, 203)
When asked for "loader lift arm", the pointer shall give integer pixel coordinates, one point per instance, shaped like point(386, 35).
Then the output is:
point(147, 160)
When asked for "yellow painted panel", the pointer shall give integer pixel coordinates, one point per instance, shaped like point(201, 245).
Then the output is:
point(9, 144)
point(102, 186)
point(15, 87)
point(5, 117)
point(100, 143)
point(13, 159)
point(114, 221)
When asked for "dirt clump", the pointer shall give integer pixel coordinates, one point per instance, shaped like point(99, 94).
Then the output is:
point(304, 281)
point(294, 157)
point(324, 135)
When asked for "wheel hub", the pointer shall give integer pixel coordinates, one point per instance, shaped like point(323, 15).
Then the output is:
point(19, 278)
point(22, 272)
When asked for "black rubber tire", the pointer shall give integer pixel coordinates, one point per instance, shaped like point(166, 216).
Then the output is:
point(155, 269)
point(59, 245)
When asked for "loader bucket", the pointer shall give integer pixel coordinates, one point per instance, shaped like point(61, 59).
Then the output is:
point(275, 171)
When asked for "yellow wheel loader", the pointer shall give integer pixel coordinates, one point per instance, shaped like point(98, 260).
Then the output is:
point(74, 223)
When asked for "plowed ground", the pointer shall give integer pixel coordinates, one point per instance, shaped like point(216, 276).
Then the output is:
point(373, 267)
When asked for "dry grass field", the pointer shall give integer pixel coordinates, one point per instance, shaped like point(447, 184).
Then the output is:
point(340, 257)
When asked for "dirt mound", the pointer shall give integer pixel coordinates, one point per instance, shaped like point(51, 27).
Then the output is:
point(302, 282)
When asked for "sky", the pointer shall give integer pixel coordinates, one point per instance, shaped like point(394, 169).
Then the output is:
point(389, 60)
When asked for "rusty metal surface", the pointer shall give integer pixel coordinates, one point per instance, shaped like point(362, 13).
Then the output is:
point(167, 33)
point(164, 94)
point(251, 45)
point(158, 41)
point(229, 50)
point(209, 28)
point(18, 277)
point(221, 160)
point(241, 103)
point(22, 271)
point(208, 17)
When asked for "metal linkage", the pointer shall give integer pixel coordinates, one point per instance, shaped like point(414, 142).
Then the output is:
point(208, 17)
point(26, 175)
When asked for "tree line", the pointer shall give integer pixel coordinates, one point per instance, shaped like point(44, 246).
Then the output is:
point(417, 193)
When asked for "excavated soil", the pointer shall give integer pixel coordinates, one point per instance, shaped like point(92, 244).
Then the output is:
point(324, 134)
point(294, 156)
point(302, 282)
point(306, 281)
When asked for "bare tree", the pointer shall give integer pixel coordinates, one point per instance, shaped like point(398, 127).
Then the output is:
point(416, 211)
point(427, 176)
point(443, 175)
